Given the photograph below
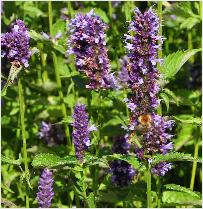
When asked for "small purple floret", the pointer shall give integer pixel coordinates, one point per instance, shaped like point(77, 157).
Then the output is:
point(161, 169)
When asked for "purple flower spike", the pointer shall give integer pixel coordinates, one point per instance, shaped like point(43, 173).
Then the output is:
point(161, 169)
point(139, 72)
point(87, 43)
point(121, 170)
point(45, 189)
point(81, 132)
point(15, 44)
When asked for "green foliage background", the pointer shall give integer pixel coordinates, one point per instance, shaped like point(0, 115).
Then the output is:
point(180, 100)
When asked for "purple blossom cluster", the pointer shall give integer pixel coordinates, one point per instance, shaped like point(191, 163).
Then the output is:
point(15, 44)
point(153, 136)
point(139, 73)
point(81, 132)
point(52, 134)
point(87, 43)
point(121, 170)
point(45, 189)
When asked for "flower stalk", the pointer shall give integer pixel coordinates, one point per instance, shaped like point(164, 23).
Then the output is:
point(149, 189)
point(60, 92)
point(194, 165)
point(22, 119)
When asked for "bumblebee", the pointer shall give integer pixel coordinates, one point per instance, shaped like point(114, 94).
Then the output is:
point(145, 120)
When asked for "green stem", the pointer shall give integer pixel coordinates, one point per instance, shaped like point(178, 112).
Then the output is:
point(149, 198)
point(22, 118)
point(190, 44)
point(110, 9)
point(84, 187)
point(70, 9)
point(63, 107)
point(159, 192)
point(77, 200)
point(43, 61)
point(50, 17)
point(194, 166)
point(89, 103)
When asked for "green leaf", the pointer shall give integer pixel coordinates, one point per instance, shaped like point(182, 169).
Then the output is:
point(184, 136)
point(173, 62)
point(131, 159)
point(33, 11)
point(5, 187)
point(189, 23)
point(174, 198)
point(90, 200)
point(51, 160)
point(58, 26)
point(102, 14)
point(188, 97)
point(179, 188)
point(182, 9)
point(165, 99)
point(36, 36)
point(172, 95)
point(189, 119)
point(70, 75)
point(5, 159)
point(173, 156)
point(60, 48)
point(5, 120)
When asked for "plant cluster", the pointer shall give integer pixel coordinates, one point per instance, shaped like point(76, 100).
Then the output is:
point(95, 110)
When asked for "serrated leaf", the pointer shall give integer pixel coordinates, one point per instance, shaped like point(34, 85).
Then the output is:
point(5, 159)
point(166, 100)
point(189, 23)
point(179, 188)
point(188, 97)
point(189, 119)
point(5, 187)
point(51, 160)
point(172, 95)
point(173, 62)
point(182, 9)
point(173, 156)
point(173, 198)
point(90, 200)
